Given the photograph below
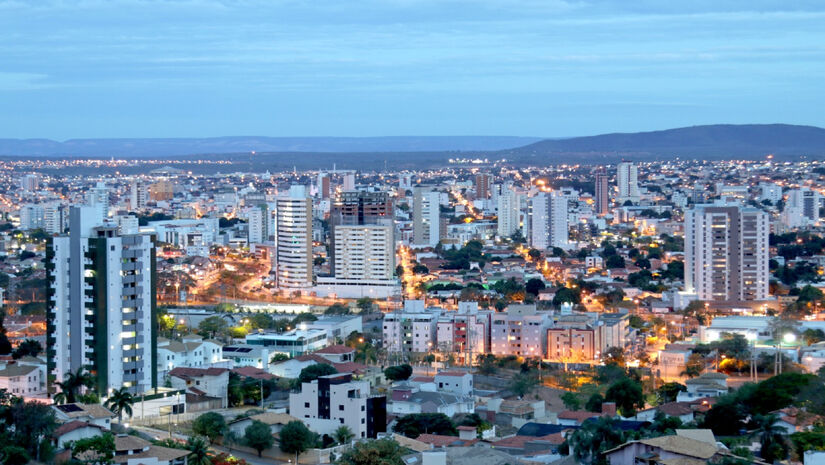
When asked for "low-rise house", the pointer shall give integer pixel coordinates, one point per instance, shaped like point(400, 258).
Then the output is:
point(210, 382)
point(132, 450)
point(706, 385)
point(90, 413)
point(337, 353)
point(455, 382)
point(75, 430)
point(675, 449)
point(192, 351)
point(432, 402)
point(21, 380)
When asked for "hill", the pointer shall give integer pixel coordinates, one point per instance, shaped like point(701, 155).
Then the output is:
point(145, 148)
point(711, 141)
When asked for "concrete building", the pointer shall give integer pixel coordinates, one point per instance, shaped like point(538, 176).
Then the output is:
point(192, 352)
point(463, 332)
point(31, 216)
point(257, 226)
point(211, 382)
point(509, 212)
point(139, 195)
point(770, 191)
point(195, 236)
point(406, 332)
point(55, 217)
point(30, 182)
point(324, 185)
point(426, 217)
point(334, 400)
point(482, 184)
point(22, 380)
point(802, 208)
point(98, 197)
point(726, 252)
point(162, 191)
point(455, 382)
point(601, 197)
point(293, 258)
point(520, 331)
point(549, 221)
point(348, 182)
point(102, 311)
point(293, 343)
point(582, 338)
point(364, 253)
point(627, 178)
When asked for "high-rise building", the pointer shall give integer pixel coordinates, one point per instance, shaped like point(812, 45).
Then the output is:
point(348, 183)
point(257, 226)
point(602, 199)
point(627, 178)
point(365, 252)
point(426, 217)
point(55, 217)
point(802, 208)
point(102, 312)
point(324, 187)
point(293, 256)
point(139, 194)
point(548, 221)
point(31, 216)
point(30, 182)
point(509, 210)
point(483, 181)
point(98, 197)
point(162, 190)
point(355, 208)
point(726, 252)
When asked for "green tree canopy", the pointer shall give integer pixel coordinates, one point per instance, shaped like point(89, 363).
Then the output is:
point(212, 425)
point(259, 437)
point(416, 424)
point(312, 372)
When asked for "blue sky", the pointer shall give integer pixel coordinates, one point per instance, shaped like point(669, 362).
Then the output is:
point(142, 68)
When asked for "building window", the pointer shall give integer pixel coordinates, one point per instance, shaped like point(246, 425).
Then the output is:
point(306, 404)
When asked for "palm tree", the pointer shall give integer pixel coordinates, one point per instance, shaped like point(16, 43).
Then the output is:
point(366, 353)
point(343, 434)
point(121, 401)
point(74, 382)
point(771, 437)
point(198, 451)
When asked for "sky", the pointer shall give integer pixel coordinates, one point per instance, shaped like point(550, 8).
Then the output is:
point(547, 68)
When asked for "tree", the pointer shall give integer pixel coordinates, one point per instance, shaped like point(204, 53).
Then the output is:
point(199, 451)
point(595, 437)
point(364, 304)
point(812, 336)
point(771, 438)
point(628, 396)
point(567, 295)
point(614, 261)
point(571, 400)
point(343, 434)
point(487, 364)
point(399, 372)
point(211, 425)
point(416, 424)
point(614, 356)
point(121, 401)
point(534, 285)
point(312, 372)
point(29, 347)
point(337, 309)
point(669, 391)
point(74, 382)
point(694, 366)
point(213, 326)
point(380, 452)
point(33, 423)
point(14, 455)
point(522, 384)
point(95, 450)
point(259, 437)
point(295, 438)
point(366, 353)
point(594, 403)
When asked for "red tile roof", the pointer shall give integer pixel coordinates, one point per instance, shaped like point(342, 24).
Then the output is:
point(453, 373)
point(350, 367)
point(186, 372)
point(254, 372)
point(438, 440)
point(578, 415)
point(71, 426)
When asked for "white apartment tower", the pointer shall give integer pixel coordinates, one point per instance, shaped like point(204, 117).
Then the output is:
point(102, 312)
point(802, 208)
point(364, 252)
point(726, 252)
point(426, 217)
point(627, 178)
point(293, 257)
point(509, 209)
point(258, 218)
point(31, 216)
point(55, 217)
point(139, 195)
point(549, 221)
point(98, 197)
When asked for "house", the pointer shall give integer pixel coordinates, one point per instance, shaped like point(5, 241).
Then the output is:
point(275, 421)
point(192, 351)
point(22, 380)
point(291, 368)
point(254, 373)
point(432, 402)
point(706, 385)
point(681, 410)
point(456, 382)
point(337, 353)
point(210, 382)
point(522, 445)
point(671, 449)
point(440, 440)
point(75, 430)
point(796, 420)
point(132, 450)
point(90, 413)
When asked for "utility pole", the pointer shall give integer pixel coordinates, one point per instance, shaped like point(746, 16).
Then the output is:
point(262, 395)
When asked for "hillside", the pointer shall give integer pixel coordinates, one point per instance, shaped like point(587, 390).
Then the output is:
point(712, 141)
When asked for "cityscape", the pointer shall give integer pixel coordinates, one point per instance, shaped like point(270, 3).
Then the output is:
point(625, 266)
